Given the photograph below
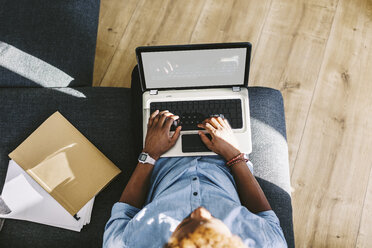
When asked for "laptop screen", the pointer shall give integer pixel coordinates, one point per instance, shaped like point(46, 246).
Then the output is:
point(194, 68)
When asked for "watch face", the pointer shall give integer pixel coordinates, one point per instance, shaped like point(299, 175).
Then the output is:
point(142, 157)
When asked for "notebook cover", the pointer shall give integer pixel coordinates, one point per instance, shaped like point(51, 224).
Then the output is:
point(65, 163)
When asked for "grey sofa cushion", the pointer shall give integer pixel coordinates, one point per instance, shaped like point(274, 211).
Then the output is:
point(60, 33)
point(103, 115)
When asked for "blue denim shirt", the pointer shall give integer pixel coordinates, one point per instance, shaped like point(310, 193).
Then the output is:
point(179, 186)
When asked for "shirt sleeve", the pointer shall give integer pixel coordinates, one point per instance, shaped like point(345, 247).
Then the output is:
point(270, 216)
point(121, 214)
point(277, 232)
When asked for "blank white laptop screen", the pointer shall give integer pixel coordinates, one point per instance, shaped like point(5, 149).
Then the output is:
point(194, 68)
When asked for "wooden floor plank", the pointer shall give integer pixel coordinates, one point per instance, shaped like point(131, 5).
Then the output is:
point(364, 238)
point(333, 164)
point(154, 22)
point(289, 55)
point(231, 21)
point(113, 20)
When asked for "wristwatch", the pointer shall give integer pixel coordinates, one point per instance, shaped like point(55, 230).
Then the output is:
point(145, 158)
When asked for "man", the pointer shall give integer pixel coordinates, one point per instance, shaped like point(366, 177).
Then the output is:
point(210, 201)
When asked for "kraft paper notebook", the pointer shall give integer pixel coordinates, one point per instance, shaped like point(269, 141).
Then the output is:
point(65, 163)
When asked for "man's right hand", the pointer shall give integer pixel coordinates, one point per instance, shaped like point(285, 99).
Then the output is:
point(223, 140)
point(158, 138)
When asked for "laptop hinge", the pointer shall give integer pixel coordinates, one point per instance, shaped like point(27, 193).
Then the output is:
point(153, 92)
point(235, 88)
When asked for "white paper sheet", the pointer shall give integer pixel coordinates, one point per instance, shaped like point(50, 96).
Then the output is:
point(29, 201)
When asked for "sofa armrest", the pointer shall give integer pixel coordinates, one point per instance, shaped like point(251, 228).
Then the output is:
point(270, 153)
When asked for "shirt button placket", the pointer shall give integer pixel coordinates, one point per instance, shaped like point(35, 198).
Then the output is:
point(195, 192)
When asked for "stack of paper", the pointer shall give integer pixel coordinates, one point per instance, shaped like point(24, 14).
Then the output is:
point(54, 176)
point(27, 200)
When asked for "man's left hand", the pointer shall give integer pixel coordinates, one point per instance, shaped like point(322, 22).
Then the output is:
point(158, 139)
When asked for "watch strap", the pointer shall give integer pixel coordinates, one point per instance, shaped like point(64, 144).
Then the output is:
point(145, 158)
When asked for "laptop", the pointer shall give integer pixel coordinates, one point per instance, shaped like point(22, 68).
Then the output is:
point(196, 82)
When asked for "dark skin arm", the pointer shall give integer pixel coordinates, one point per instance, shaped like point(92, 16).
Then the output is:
point(157, 142)
point(223, 142)
point(136, 190)
point(250, 192)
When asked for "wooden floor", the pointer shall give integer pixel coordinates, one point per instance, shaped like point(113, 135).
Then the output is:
point(318, 53)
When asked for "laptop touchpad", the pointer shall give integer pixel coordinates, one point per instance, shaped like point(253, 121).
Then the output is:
point(193, 143)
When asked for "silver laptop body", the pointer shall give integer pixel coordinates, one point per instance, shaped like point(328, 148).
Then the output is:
point(196, 73)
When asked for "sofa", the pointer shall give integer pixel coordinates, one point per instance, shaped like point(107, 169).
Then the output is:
point(47, 53)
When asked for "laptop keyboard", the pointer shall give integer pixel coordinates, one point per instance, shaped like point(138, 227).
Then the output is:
point(192, 113)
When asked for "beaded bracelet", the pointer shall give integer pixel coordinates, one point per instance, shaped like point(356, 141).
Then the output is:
point(237, 159)
point(239, 156)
